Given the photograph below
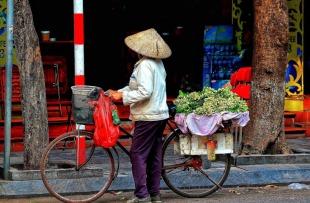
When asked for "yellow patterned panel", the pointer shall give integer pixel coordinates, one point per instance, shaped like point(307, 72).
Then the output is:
point(3, 18)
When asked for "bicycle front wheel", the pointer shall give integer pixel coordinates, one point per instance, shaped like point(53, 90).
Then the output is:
point(73, 169)
point(192, 176)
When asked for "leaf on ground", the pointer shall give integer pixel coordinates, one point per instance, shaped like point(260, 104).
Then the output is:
point(235, 191)
point(116, 193)
point(272, 186)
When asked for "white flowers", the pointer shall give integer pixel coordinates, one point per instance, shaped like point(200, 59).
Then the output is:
point(209, 101)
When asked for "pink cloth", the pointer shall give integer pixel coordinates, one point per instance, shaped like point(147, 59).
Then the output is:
point(207, 125)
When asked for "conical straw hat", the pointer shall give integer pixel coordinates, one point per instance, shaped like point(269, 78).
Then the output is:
point(148, 43)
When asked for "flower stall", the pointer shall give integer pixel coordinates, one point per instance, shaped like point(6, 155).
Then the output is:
point(207, 118)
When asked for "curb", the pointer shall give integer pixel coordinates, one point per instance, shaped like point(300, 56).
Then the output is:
point(241, 176)
point(240, 160)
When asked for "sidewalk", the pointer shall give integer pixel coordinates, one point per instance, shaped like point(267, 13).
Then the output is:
point(249, 170)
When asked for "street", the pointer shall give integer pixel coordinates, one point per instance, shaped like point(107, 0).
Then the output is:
point(263, 194)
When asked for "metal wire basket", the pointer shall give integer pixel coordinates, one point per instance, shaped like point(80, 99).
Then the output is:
point(83, 112)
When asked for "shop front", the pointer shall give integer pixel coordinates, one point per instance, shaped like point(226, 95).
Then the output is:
point(185, 26)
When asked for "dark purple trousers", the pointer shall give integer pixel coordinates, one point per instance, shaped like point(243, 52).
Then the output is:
point(146, 157)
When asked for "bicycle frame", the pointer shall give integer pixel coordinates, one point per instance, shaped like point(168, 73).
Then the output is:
point(169, 123)
point(128, 134)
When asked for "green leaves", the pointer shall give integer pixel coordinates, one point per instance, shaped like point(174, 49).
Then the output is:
point(209, 101)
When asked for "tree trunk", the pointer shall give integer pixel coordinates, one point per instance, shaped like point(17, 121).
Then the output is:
point(264, 133)
point(34, 109)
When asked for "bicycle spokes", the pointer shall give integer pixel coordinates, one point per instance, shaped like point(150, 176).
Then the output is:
point(192, 175)
point(72, 178)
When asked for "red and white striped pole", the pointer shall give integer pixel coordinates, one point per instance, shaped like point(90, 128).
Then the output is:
point(79, 68)
point(79, 42)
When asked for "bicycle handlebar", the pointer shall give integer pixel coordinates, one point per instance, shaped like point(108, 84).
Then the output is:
point(94, 93)
point(107, 93)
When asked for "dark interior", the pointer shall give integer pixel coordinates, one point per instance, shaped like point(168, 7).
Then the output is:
point(107, 23)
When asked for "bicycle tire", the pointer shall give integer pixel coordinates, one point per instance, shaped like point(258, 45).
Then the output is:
point(185, 180)
point(59, 171)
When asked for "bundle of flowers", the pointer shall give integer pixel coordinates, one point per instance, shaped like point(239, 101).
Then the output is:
point(209, 101)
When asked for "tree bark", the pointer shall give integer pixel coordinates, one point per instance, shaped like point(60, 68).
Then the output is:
point(264, 133)
point(34, 108)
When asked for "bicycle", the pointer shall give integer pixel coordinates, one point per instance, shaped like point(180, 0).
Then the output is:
point(74, 175)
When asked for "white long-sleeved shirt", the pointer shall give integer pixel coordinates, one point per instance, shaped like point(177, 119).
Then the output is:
point(146, 92)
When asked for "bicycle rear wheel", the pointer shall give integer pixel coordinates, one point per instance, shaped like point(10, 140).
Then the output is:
point(73, 175)
point(192, 176)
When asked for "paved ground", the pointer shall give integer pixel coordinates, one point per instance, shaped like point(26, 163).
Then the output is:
point(248, 171)
point(262, 194)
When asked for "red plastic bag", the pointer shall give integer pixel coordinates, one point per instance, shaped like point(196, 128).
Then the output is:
point(106, 133)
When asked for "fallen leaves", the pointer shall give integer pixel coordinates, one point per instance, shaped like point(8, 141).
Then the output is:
point(272, 186)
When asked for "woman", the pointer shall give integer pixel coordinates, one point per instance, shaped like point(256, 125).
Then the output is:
point(146, 95)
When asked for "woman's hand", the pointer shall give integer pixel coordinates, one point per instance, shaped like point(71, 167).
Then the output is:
point(115, 96)
point(111, 91)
